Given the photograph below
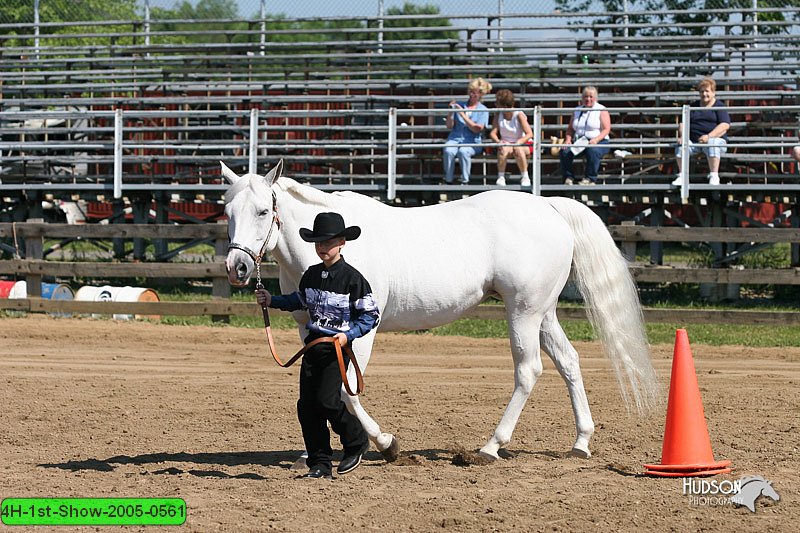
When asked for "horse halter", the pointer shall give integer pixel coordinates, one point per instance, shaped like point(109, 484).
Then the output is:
point(257, 257)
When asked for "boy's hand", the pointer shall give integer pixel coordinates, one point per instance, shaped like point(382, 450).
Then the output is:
point(342, 338)
point(263, 297)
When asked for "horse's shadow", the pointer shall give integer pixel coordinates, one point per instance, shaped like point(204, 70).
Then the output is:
point(281, 459)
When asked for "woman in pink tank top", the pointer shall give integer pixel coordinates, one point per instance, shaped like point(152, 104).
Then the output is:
point(512, 130)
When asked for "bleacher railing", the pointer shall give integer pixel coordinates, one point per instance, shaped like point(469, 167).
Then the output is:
point(119, 140)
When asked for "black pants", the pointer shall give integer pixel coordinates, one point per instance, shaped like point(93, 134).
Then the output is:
point(320, 402)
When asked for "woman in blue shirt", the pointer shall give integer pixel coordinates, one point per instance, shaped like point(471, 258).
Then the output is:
point(466, 122)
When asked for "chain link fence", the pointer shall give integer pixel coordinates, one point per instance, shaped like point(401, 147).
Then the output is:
point(57, 11)
point(103, 22)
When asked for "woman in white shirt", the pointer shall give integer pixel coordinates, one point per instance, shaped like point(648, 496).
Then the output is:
point(588, 130)
point(511, 129)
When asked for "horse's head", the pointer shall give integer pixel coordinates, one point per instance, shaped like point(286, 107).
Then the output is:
point(769, 491)
point(253, 222)
point(751, 488)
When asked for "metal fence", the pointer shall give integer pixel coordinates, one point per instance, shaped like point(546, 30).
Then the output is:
point(251, 140)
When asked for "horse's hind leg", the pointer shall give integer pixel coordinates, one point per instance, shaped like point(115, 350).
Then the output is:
point(385, 442)
point(524, 335)
point(563, 354)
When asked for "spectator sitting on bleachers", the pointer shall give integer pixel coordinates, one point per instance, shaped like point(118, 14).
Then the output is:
point(466, 124)
point(589, 127)
point(707, 126)
point(510, 128)
point(796, 153)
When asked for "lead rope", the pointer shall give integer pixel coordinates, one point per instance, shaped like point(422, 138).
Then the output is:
point(333, 340)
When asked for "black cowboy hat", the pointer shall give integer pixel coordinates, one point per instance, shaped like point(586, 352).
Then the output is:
point(329, 226)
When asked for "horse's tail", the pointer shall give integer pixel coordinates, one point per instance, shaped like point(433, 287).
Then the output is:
point(601, 274)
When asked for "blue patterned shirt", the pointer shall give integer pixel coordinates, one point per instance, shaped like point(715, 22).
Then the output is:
point(338, 299)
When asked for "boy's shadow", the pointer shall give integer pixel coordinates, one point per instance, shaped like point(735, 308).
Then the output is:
point(283, 459)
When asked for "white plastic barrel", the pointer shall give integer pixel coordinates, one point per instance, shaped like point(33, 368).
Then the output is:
point(90, 293)
point(19, 290)
point(110, 293)
point(135, 294)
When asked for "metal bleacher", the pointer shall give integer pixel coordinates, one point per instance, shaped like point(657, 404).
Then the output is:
point(324, 104)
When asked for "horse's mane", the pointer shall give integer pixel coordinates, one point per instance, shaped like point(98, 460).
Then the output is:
point(310, 195)
point(302, 193)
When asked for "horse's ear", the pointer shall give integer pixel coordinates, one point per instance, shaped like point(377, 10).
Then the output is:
point(229, 174)
point(273, 175)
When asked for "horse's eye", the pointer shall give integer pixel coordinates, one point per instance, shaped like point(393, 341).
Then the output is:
point(264, 213)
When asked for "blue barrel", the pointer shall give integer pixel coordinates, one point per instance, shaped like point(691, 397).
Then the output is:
point(57, 291)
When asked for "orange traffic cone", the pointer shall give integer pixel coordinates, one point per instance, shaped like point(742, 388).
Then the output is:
point(687, 447)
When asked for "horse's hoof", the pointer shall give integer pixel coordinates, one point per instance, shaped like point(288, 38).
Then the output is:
point(300, 463)
point(391, 453)
point(580, 454)
point(488, 456)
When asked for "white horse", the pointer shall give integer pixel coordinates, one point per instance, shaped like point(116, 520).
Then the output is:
point(429, 265)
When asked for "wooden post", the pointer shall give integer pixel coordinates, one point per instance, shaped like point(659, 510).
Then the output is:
point(141, 214)
point(119, 218)
point(34, 204)
point(716, 291)
point(730, 291)
point(34, 249)
point(795, 223)
point(629, 247)
point(161, 246)
point(657, 247)
point(220, 288)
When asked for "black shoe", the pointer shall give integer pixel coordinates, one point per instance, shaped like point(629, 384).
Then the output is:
point(315, 473)
point(351, 462)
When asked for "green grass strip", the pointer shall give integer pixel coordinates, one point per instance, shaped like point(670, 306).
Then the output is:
point(757, 336)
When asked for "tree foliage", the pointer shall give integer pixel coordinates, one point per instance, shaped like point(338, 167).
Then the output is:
point(180, 22)
point(413, 9)
point(21, 12)
point(695, 16)
point(168, 21)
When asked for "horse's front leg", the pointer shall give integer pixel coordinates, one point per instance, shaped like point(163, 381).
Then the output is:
point(385, 442)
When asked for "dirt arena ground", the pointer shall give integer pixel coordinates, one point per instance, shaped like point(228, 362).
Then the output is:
point(94, 408)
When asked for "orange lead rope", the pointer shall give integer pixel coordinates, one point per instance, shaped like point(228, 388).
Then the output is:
point(336, 345)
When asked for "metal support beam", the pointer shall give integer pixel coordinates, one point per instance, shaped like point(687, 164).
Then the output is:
point(118, 153)
point(252, 166)
point(536, 157)
point(391, 185)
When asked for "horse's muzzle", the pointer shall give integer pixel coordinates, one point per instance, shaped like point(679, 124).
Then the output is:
point(238, 271)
